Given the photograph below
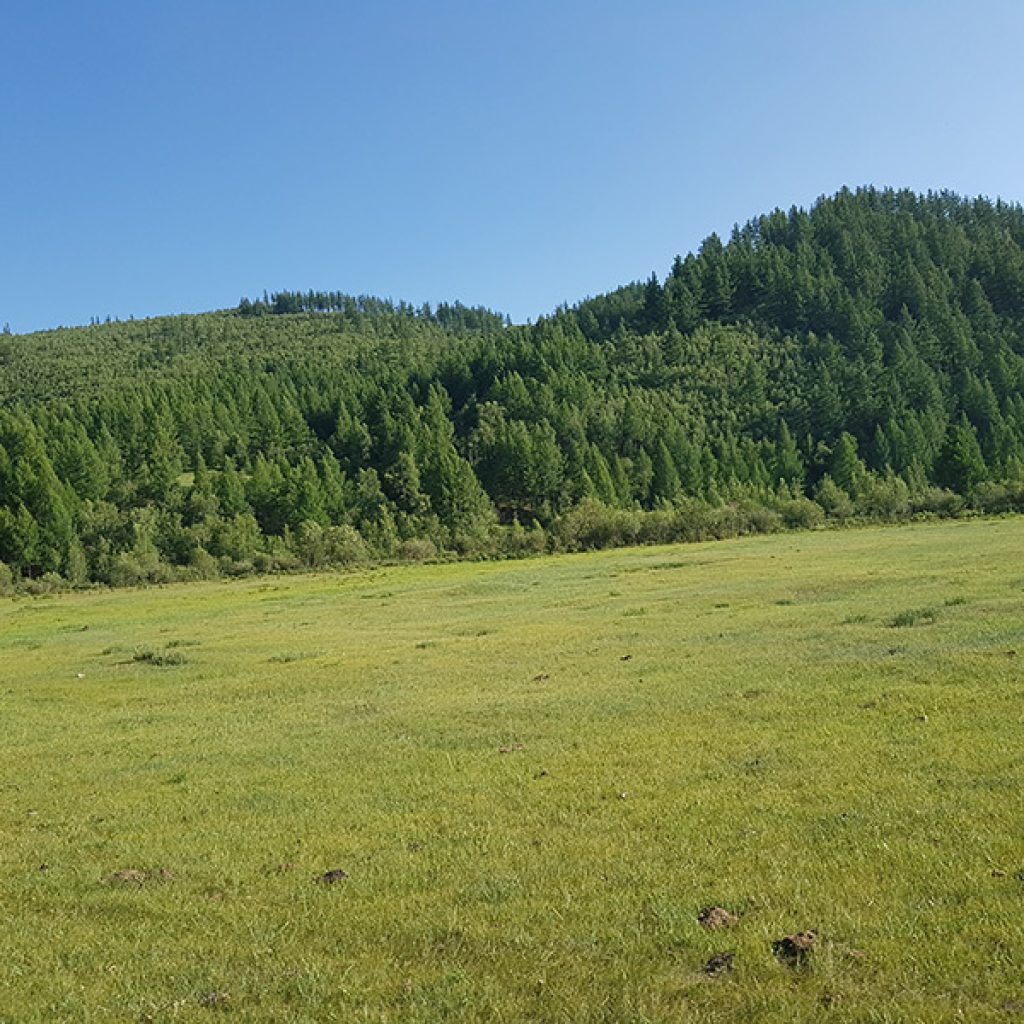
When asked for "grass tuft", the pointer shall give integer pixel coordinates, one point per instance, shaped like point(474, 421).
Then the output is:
point(914, 617)
point(148, 656)
point(287, 657)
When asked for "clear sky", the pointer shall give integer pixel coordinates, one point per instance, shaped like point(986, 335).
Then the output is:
point(165, 156)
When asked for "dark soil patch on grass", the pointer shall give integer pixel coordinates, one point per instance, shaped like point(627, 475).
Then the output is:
point(795, 950)
point(332, 877)
point(719, 964)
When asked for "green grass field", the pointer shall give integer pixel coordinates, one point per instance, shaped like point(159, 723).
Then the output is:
point(535, 776)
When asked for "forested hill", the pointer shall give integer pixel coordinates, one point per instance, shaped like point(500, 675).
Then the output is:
point(865, 357)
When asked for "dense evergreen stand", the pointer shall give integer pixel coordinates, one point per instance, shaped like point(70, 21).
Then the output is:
point(863, 358)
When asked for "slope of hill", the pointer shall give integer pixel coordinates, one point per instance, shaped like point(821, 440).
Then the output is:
point(864, 357)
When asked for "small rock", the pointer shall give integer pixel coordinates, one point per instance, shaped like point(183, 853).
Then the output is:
point(719, 964)
point(793, 950)
point(714, 918)
point(330, 877)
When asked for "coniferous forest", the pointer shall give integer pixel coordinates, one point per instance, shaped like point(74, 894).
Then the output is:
point(863, 359)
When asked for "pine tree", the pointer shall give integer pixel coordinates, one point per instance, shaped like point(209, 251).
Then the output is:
point(847, 469)
point(664, 476)
point(960, 465)
point(787, 464)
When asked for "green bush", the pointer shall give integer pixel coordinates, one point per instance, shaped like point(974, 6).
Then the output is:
point(938, 501)
point(999, 498)
point(132, 569)
point(836, 503)
point(516, 541)
point(885, 497)
point(204, 565)
point(343, 545)
point(801, 514)
point(592, 525)
point(418, 549)
point(758, 519)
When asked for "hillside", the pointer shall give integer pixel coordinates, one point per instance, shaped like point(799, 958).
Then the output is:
point(865, 357)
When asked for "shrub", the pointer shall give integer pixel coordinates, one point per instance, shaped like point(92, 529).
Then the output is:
point(833, 499)
point(758, 519)
point(592, 525)
point(239, 537)
point(204, 565)
point(230, 567)
point(660, 526)
point(697, 520)
point(343, 545)
point(133, 569)
point(999, 498)
point(417, 549)
point(885, 497)
point(516, 541)
point(801, 514)
point(48, 583)
point(938, 501)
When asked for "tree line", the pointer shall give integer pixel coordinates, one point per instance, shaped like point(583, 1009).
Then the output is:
point(861, 358)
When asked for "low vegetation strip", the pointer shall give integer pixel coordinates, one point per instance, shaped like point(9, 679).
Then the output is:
point(772, 778)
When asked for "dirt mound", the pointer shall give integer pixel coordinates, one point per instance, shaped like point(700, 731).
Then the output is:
point(714, 918)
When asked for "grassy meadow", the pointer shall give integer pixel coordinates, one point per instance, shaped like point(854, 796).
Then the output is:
point(534, 775)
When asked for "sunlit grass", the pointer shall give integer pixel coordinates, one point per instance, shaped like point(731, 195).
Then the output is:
point(535, 776)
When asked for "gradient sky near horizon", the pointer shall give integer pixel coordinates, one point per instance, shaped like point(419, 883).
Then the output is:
point(163, 157)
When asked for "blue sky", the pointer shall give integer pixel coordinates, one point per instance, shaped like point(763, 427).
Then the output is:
point(163, 157)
